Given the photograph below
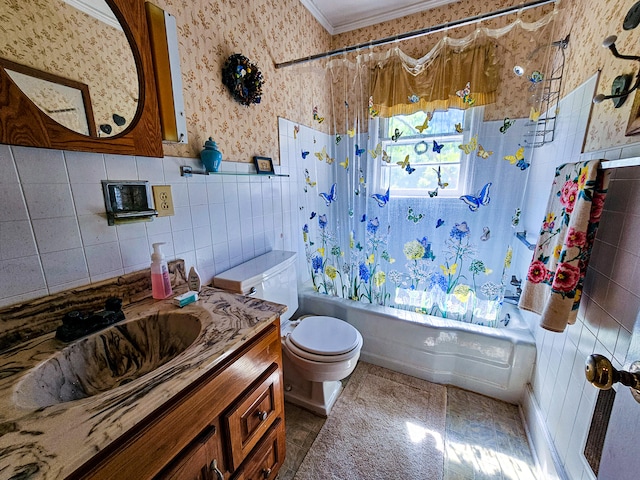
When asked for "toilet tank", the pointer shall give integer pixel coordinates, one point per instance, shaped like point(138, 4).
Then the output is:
point(271, 277)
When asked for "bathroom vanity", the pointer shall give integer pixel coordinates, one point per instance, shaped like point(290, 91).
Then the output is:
point(213, 411)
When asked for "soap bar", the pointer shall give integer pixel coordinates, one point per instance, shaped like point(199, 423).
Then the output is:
point(185, 299)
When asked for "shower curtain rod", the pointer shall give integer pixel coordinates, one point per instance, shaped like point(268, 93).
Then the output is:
point(418, 33)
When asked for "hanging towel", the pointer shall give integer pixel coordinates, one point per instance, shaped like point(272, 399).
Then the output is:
point(556, 275)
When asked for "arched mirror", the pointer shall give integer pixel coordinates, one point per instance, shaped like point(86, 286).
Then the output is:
point(78, 75)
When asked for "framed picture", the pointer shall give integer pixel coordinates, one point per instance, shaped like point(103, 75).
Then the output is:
point(264, 165)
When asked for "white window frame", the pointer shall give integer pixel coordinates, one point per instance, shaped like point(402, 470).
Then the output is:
point(464, 179)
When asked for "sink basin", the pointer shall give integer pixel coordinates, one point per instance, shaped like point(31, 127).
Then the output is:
point(108, 359)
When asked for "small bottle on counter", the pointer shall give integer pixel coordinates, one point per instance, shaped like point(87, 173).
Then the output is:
point(193, 280)
point(160, 280)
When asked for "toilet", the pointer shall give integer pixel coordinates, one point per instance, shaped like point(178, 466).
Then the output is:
point(318, 351)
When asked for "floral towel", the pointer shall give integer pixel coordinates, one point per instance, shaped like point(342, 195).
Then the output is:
point(554, 281)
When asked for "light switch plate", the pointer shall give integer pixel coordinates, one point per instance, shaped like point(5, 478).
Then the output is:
point(163, 200)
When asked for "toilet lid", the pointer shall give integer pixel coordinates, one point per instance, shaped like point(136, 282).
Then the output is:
point(325, 336)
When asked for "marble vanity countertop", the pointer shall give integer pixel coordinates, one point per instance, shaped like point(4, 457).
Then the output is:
point(53, 441)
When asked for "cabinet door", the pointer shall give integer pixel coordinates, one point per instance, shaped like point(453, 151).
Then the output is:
point(266, 460)
point(201, 460)
point(253, 414)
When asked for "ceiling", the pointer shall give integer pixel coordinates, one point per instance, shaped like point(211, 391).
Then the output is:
point(339, 16)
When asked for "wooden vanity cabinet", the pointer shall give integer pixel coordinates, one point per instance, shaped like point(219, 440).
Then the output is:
point(268, 456)
point(227, 426)
point(202, 460)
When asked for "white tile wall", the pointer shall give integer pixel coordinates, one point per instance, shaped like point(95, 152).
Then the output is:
point(562, 402)
point(54, 233)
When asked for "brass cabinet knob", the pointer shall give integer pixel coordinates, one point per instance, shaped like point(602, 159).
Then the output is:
point(262, 415)
point(266, 472)
point(602, 374)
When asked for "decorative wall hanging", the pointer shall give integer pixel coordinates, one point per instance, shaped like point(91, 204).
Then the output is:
point(243, 79)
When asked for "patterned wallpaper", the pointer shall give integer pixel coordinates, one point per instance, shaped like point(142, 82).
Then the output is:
point(587, 21)
point(514, 99)
point(271, 31)
point(51, 36)
point(265, 31)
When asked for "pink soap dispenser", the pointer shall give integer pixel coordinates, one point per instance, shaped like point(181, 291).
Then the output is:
point(160, 281)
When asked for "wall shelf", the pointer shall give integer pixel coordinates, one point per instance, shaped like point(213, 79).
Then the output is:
point(187, 171)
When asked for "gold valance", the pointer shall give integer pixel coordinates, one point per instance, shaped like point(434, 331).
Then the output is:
point(402, 86)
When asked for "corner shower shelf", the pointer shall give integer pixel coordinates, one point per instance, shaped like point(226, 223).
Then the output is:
point(544, 128)
point(187, 171)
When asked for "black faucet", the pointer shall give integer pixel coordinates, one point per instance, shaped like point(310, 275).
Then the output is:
point(76, 325)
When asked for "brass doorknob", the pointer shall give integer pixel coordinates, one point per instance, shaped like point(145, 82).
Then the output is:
point(602, 374)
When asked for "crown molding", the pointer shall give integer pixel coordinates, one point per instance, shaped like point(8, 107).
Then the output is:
point(318, 15)
point(373, 19)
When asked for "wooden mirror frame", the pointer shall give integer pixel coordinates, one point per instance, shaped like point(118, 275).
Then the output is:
point(23, 123)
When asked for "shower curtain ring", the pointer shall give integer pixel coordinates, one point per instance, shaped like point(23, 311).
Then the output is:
point(421, 147)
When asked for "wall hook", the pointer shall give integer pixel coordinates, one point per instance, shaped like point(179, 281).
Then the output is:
point(620, 88)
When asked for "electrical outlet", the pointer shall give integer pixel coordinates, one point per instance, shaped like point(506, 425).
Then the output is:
point(163, 200)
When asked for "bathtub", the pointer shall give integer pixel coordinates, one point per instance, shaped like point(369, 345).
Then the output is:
point(497, 362)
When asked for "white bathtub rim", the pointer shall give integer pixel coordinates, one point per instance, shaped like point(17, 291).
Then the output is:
point(517, 330)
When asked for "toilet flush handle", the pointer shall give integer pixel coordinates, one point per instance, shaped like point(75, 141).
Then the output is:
point(252, 291)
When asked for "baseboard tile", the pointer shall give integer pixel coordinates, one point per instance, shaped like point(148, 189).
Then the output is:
point(542, 447)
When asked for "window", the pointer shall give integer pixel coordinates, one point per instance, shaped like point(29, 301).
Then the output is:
point(419, 175)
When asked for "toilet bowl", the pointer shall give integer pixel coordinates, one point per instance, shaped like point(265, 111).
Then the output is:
point(318, 351)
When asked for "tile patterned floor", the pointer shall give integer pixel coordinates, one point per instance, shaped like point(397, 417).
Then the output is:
point(485, 439)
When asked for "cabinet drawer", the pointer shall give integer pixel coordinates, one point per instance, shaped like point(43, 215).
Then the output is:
point(268, 457)
point(201, 460)
point(251, 416)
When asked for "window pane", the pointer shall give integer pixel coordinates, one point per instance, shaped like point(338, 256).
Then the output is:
point(417, 157)
point(449, 153)
point(423, 178)
point(440, 123)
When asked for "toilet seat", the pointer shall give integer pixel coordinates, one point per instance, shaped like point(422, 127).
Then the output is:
point(312, 357)
point(324, 339)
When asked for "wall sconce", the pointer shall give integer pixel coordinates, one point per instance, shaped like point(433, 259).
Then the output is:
point(620, 87)
point(166, 64)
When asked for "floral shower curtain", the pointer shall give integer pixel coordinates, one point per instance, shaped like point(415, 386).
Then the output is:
point(446, 250)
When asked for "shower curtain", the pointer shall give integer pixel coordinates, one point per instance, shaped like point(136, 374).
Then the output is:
point(413, 200)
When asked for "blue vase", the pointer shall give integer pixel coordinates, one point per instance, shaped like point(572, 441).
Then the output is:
point(211, 157)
